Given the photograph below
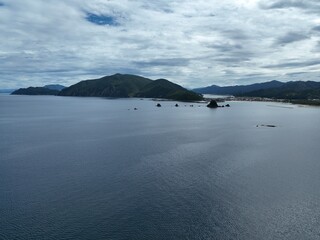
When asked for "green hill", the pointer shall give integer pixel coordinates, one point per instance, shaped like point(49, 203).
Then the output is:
point(125, 85)
point(163, 88)
point(298, 90)
point(35, 91)
point(118, 85)
point(54, 87)
point(238, 89)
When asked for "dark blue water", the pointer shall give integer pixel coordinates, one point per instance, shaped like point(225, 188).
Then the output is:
point(89, 168)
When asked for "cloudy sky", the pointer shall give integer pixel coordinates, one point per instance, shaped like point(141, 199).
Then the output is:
point(191, 42)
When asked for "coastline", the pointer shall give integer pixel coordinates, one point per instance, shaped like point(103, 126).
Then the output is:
point(313, 102)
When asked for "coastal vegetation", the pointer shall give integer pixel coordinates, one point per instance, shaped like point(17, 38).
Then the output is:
point(55, 87)
point(52, 89)
point(237, 89)
point(35, 91)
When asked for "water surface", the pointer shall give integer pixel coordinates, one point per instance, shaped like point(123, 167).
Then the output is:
point(93, 168)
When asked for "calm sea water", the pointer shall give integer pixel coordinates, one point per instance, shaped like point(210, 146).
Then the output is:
point(89, 168)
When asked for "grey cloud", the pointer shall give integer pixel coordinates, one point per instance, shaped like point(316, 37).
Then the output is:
point(317, 47)
point(230, 54)
point(305, 76)
point(291, 37)
point(237, 59)
point(316, 28)
point(293, 74)
point(253, 75)
point(39, 71)
point(234, 34)
point(229, 72)
point(224, 47)
point(158, 6)
point(284, 4)
point(54, 41)
point(307, 5)
point(169, 62)
point(207, 15)
point(294, 64)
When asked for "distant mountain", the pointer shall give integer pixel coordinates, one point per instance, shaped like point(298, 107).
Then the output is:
point(54, 87)
point(7, 90)
point(35, 91)
point(126, 85)
point(238, 89)
point(291, 90)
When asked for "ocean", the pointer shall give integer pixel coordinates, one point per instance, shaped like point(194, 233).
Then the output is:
point(95, 168)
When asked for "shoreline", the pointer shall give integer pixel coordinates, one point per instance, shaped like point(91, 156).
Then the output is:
point(315, 102)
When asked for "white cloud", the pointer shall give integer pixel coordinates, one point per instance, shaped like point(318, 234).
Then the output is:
point(193, 43)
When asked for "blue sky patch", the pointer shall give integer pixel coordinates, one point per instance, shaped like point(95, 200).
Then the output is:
point(102, 19)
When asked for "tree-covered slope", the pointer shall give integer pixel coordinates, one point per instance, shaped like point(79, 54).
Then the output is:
point(163, 88)
point(55, 87)
point(290, 90)
point(118, 85)
point(238, 89)
point(35, 91)
point(125, 85)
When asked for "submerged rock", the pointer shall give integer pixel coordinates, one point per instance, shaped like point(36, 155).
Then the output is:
point(266, 125)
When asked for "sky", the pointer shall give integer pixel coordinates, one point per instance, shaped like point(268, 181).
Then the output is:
point(193, 43)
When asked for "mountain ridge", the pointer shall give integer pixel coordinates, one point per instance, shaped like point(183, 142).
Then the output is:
point(54, 87)
point(237, 89)
point(35, 91)
point(294, 90)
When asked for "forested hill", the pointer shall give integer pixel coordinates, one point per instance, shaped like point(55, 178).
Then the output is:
point(290, 90)
point(126, 85)
point(273, 89)
point(35, 91)
point(238, 89)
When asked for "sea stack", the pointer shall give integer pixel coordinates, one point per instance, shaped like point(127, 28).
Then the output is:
point(213, 104)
